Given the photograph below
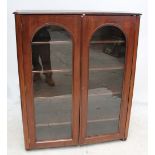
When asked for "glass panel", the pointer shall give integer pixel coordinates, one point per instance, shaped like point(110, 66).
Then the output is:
point(106, 67)
point(52, 83)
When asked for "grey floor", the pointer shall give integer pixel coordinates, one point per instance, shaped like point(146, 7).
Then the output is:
point(136, 143)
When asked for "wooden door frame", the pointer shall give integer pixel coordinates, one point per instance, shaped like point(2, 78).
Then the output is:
point(129, 26)
point(26, 26)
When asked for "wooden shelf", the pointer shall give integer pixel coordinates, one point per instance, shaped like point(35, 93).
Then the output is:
point(69, 123)
point(107, 68)
point(68, 96)
point(52, 42)
point(69, 70)
point(58, 42)
point(108, 42)
point(52, 124)
point(108, 93)
point(53, 70)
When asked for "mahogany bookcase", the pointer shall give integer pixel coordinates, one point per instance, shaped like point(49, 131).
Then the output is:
point(76, 72)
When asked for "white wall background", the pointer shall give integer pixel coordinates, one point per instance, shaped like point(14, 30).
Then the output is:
point(138, 6)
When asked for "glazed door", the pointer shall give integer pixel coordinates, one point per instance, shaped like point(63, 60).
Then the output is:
point(51, 58)
point(107, 47)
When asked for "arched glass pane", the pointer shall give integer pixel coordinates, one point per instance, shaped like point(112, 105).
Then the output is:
point(52, 82)
point(106, 67)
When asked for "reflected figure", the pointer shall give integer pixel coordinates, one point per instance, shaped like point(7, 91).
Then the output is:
point(42, 51)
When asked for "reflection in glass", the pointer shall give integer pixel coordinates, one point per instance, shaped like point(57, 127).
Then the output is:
point(106, 67)
point(52, 82)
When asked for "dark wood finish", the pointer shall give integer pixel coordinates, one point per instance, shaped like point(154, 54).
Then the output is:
point(81, 26)
point(22, 80)
point(136, 32)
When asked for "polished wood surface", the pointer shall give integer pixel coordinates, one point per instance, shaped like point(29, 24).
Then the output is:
point(136, 33)
point(81, 26)
point(22, 81)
